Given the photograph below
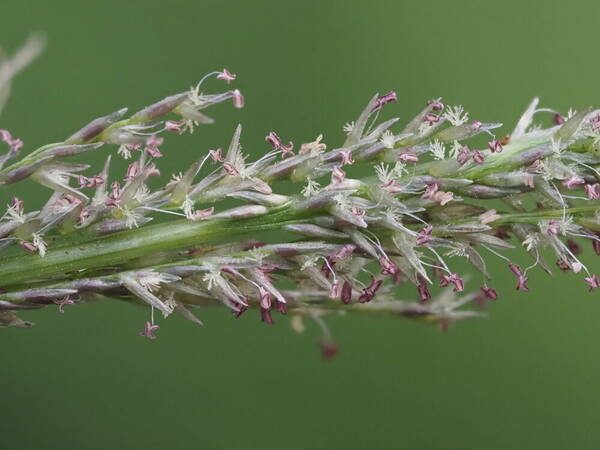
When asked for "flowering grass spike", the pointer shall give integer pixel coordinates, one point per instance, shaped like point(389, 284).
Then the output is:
point(430, 198)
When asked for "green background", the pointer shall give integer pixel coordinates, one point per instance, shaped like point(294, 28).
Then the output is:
point(526, 377)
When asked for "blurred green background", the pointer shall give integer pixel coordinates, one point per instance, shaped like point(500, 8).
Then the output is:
point(526, 377)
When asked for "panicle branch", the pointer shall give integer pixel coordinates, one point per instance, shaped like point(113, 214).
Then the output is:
point(426, 197)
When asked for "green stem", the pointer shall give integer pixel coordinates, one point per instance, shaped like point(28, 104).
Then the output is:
point(120, 248)
point(557, 214)
point(117, 249)
point(34, 155)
